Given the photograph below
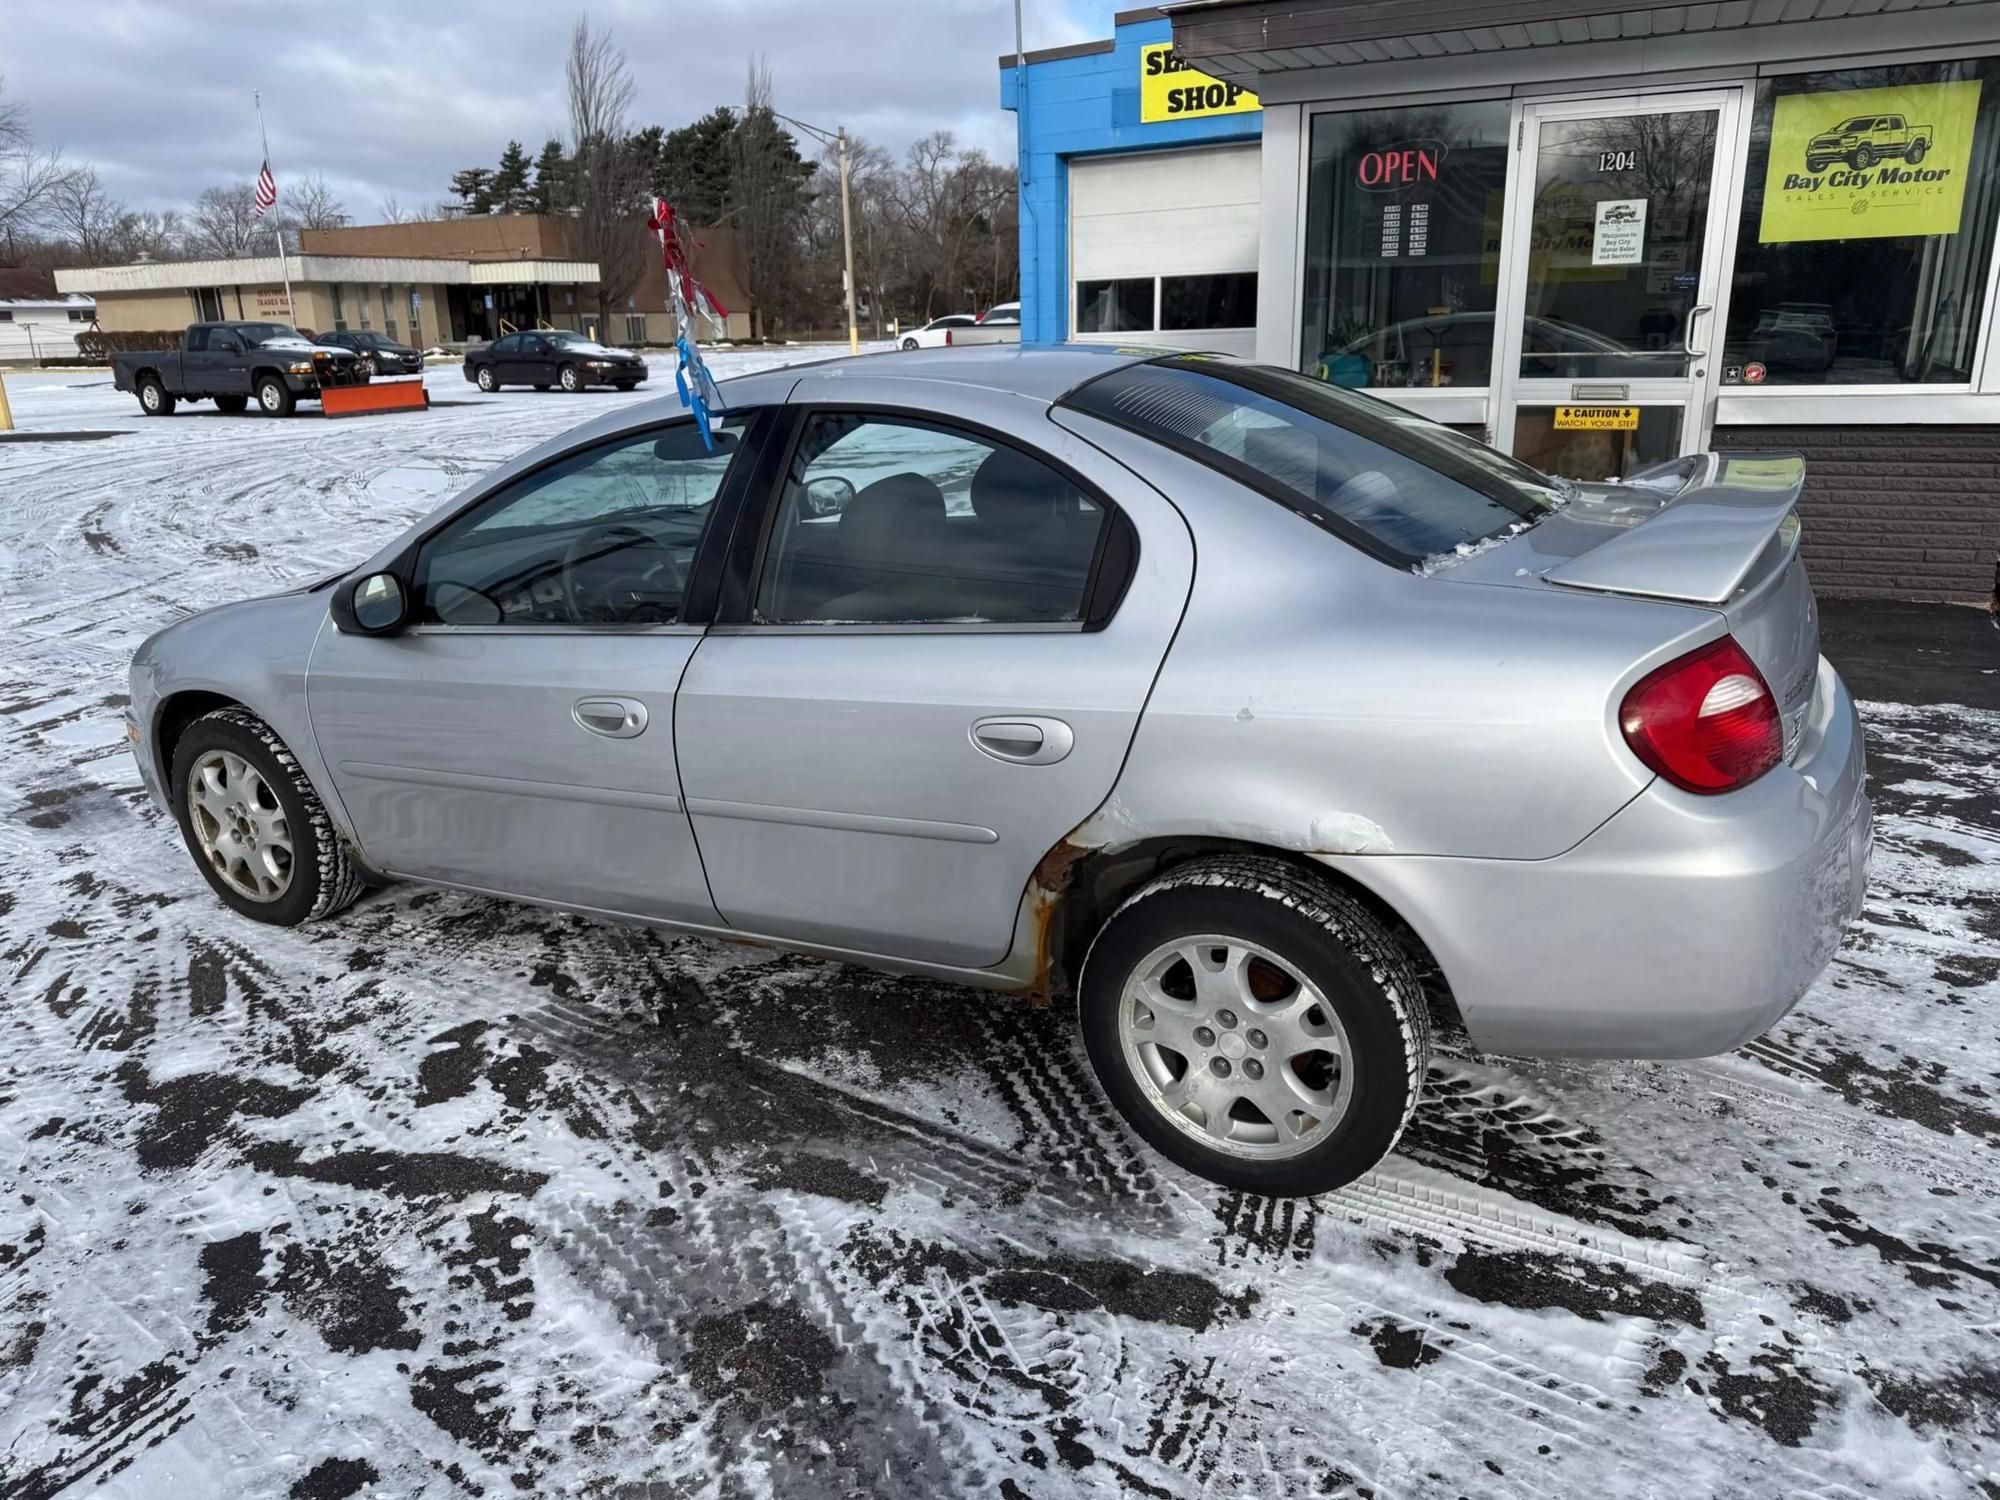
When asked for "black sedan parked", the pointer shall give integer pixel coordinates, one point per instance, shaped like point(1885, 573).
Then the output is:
point(552, 357)
point(382, 352)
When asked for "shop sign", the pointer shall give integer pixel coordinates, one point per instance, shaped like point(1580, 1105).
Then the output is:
point(1170, 89)
point(1869, 163)
point(1597, 418)
point(1618, 235)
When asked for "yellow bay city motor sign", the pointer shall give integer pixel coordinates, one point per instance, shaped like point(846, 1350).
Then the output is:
point(1170, 89)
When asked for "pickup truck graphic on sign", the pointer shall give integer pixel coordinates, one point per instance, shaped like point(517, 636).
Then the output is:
point(1867, 139)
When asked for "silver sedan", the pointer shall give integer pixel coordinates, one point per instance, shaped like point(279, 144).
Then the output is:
point(1273, 725)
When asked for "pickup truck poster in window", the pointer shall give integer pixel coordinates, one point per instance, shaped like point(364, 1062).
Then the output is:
point(1170, 89)
point(1869, 163)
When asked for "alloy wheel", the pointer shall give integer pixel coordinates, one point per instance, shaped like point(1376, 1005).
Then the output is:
point(240, 825)
point(1236, 1047)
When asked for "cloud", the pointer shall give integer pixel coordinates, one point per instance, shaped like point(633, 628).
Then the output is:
point(388, 98)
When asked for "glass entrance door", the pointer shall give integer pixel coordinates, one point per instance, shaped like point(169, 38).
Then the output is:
point(1611, 294)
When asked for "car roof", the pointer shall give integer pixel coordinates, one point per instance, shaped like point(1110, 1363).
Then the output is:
point(1041, 372)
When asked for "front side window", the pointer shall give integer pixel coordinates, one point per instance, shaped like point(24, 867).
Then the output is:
point(1868, 227)
point(604, 537)
point(1403, 488)
point(1402, 249)
point(887, 521)
point(1114, 306)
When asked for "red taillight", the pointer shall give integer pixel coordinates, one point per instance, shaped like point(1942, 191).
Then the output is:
point(947, 338)
point(1707, 721)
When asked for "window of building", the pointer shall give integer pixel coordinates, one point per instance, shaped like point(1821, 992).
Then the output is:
point(886, 521)
point(1222, 301)
point(635, 328)
point(1402, 250)
point(6, 314)
point(339, 313)
point(1115, 306)
point(606, 537)
point(208, 304)
point(1868, 227)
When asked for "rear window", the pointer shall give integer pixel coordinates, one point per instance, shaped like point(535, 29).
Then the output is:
point(1400, 487)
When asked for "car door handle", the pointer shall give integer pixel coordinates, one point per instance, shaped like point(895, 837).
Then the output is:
point(1024, 741)
point(614, 718)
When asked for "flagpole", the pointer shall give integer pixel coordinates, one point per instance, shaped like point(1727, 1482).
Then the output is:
point(277, 231)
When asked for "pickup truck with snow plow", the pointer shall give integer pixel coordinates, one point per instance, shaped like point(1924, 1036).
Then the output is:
point(1867, 139)
point(232, 363)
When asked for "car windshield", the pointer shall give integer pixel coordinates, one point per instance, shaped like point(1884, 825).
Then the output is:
point(1398, 485)
point(566, 337)
point(369, 340)
point(1863, 122)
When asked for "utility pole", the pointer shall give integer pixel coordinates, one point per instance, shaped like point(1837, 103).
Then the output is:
point(838, 138)
point(847, 244)
point(277, 233)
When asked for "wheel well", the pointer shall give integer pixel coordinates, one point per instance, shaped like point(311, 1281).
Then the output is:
point(171, 721)
point(1089, 886)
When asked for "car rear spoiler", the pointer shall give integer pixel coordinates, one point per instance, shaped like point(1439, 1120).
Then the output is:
point(1703, 545)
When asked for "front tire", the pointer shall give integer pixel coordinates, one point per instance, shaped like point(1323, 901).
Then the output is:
point(570, 379)
point(910, 344)
point(255, 826)
point(154, 399)
point(485, 381)
point(1256, 1025)
point(1862, 159)
point(274, 397)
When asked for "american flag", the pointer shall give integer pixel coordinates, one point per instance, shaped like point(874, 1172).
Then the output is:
point(267, 189)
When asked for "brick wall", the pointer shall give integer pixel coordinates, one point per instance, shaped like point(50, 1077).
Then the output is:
point(1894, 512)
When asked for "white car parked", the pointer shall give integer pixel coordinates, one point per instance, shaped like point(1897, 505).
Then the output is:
point(936, 333)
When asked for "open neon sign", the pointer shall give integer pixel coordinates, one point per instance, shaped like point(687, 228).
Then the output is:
point(1404, 164)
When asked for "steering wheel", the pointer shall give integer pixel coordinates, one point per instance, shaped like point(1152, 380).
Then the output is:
point(621, 574)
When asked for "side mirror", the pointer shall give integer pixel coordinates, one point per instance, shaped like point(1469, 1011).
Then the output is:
point(828, 495)
point(374, 604)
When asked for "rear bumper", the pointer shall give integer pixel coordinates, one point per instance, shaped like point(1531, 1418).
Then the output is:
point(1682, 927)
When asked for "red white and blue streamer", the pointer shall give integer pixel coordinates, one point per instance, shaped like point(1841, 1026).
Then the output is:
point(691, 303)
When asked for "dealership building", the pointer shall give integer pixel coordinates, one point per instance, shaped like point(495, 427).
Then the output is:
point(444, 281)
point(1598, 236)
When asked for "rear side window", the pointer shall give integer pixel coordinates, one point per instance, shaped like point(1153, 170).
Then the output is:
point(1398, 486)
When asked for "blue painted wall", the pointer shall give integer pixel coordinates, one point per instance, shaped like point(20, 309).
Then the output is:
point(1084, 106)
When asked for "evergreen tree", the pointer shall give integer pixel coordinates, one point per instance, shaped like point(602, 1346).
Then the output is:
point(474, 188)
point(694, 167)
point(550, 191)
point(508, 188)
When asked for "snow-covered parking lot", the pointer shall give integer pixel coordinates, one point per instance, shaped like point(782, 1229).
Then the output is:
point(456, 1197)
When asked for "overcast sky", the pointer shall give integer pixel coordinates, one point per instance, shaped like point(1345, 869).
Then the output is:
point(387, 98)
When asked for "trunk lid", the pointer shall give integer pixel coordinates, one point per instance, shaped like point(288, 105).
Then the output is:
point(1716, 531)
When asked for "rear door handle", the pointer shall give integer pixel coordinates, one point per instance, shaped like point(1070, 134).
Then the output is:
point(614, 718)
point(1022, 740)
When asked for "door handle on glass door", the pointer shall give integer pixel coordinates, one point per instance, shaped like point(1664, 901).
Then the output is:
point(614, 718)
point(1687, 330)
point(1023, 740)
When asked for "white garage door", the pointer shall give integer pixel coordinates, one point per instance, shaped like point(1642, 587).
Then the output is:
point(1164, 243)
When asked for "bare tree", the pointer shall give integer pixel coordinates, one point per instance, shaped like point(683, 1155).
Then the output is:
point(85, 216)
point(391, 211)
point(313, 204)
point(148, 235)
point(767, 197)
point(958, 208)
point(607, 175)
point(30, 175)
point(224, 223)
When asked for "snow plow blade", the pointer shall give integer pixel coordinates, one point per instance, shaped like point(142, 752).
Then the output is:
point(378, 395)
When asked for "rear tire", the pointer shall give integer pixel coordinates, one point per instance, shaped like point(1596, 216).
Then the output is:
point(484, 379)
point(570, 379)
point(274, 397)
point(313, 874)
point(1291, 1063)
point(154, 399)
point(233, 406)
point(1918, 150)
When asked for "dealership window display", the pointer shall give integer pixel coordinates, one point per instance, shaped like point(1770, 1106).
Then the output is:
point(1402, 247)
point(1867, 228)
